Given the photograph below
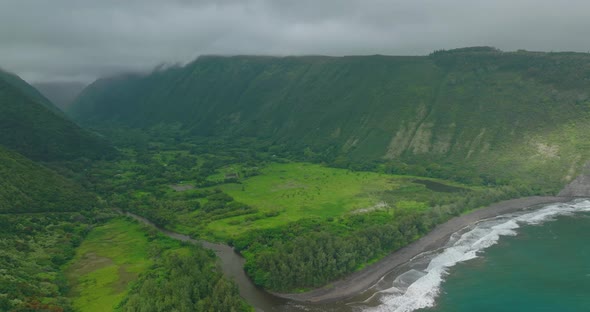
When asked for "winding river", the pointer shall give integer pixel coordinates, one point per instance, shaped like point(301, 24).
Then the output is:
point(232, 265)
point(419, 254)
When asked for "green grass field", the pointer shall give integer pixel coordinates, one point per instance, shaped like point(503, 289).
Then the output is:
point(284, 193)
point(109, 259)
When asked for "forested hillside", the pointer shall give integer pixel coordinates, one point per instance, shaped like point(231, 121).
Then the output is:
point(28, 90)
point(475, 115)
point(36, 129)
point(44, 217)
point(29, 187)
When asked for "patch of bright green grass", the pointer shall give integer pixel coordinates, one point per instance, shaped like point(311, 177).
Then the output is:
point(284, 193)
point(108, 260)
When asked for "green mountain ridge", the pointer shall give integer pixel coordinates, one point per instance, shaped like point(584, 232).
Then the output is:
point(32, 126)
point(32, 92)
point(33, 130)
point(477, 115)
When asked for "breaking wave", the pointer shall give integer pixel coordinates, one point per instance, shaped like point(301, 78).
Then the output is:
point(418, 288)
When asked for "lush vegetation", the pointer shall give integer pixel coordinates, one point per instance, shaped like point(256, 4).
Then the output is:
point(184, 282)
point(29, 187)
point(33, 249)
point(108, 267)
point(479, 116)
point(59, 254)
point(30, 91)
point(40, 133)
point(286, 192)
point(111, 256)
point(311, 167)
point(124, 266)
point(299, 225)
point(312, 252)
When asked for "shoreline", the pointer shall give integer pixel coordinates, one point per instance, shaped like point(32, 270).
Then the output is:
point(360, 281)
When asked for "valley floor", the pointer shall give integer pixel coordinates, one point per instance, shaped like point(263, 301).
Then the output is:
point(111, 256)
point(362, 280)
point(299, 226)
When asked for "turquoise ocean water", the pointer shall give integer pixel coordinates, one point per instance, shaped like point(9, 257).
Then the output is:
point(544, 268)
point(532, 261)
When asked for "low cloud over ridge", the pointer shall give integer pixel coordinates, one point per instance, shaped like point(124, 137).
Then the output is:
point(70, 40)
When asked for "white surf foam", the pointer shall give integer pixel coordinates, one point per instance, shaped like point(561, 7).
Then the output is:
point(415, 290)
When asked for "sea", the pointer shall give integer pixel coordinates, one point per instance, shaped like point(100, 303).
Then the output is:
point(535, 260)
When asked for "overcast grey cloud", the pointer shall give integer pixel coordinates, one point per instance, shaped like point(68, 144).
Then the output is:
point(77, 40)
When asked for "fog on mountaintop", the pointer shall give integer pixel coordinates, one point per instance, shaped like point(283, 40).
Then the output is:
point(68, 40)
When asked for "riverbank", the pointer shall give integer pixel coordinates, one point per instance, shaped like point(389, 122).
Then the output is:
point(362, 280)
point(232, 265)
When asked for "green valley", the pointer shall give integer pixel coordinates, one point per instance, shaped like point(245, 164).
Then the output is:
point(474, 115)
point(269, 208)
point(311, 168)
point(62, 247)
point(276, 154)
point(294, 156)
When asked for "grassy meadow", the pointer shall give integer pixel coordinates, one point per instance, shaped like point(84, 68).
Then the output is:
point(286, 192)
point(272, 209)
point(110, 258)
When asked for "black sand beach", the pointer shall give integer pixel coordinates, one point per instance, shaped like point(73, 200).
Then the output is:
point(361, 280)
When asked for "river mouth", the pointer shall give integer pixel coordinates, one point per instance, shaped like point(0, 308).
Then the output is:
point(371, 299)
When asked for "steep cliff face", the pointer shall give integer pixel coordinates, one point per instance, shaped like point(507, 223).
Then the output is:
point(501, 114)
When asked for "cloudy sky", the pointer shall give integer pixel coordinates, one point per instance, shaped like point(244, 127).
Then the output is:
point(80, 40)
